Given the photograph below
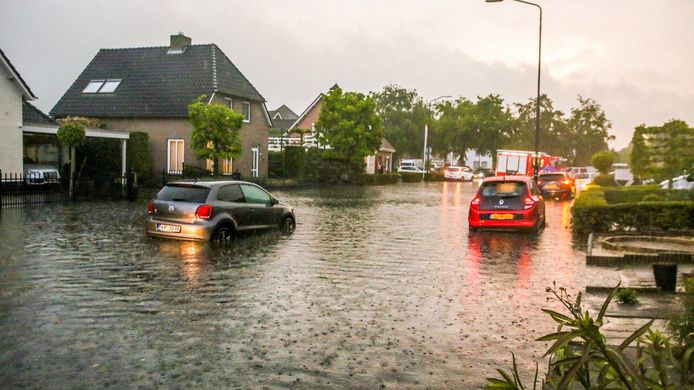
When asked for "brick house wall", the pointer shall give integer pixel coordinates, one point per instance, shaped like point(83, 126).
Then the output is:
point(160, 130)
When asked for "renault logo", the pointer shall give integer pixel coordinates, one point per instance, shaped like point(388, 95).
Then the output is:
point(171, 207)
point(501, 202)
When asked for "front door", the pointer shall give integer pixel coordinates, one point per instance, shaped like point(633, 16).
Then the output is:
point(255, 161)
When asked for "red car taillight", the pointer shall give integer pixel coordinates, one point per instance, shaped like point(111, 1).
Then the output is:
point(150, 207)
point(529, 202)
point(204, 211)
point(475, 204)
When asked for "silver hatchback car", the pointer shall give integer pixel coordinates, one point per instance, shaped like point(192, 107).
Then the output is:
point(215, 210)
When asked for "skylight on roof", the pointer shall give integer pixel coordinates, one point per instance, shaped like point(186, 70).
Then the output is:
point(102, 86)
point(93, 86)
point(109, 86)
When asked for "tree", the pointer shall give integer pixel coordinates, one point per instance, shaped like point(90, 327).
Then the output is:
point(602, 161)
point(491, 124)
point(348, 124)
point(454, 130)
point(663, 151)
point(71, 133)
point(587, 132)
point(403, 115)
point(640, 156)
point(553, 129)
point(215, 131)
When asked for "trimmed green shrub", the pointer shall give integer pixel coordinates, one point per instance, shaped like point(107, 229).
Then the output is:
point(652, 198)
point(592, 213)
point(275, 162)
point(295, 160)
point(605, 181)
point(411, 177)
point(380, 179)
point(434, 177)
point(138, 153)
point(631, 194)
point(331, 170)
point(99, 156)
point(602, 161)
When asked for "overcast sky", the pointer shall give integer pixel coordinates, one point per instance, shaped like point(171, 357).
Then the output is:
point(634, 57)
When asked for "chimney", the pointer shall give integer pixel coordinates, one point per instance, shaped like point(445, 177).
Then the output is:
point(179, 43)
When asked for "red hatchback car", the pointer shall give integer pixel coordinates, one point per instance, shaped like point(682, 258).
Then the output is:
point(507, 202)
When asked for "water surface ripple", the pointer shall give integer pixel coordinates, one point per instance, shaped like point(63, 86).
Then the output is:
point(379, 286)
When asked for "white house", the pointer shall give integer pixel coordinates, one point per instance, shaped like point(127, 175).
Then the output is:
point(13, 92)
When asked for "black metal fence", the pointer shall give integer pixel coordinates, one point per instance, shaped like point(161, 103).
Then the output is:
point(31, 188)
point(17, 189)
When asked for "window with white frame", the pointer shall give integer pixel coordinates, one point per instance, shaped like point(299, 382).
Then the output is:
point(247, 112)
point(175, 156)
point(229, 103)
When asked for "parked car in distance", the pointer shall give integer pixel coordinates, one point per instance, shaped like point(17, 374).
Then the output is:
point(556, 185)
point(458, 173)
point(582, 172)
point(507, 202)
point(684, 182)
point(35, 174)
point(482, 173)
point(410, 169)
point(215, 211)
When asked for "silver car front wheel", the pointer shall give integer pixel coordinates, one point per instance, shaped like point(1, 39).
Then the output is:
point(288, 225)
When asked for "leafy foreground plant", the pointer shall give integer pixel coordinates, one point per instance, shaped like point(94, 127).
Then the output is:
point(580, 357)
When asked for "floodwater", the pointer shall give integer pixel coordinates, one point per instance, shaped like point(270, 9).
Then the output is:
point(380, 287)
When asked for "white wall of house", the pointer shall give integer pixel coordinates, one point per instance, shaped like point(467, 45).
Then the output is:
point(10, 125)
point(475, 160)
point(472, 160)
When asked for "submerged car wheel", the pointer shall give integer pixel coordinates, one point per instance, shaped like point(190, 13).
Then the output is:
point(223, 234)
point(288, 225)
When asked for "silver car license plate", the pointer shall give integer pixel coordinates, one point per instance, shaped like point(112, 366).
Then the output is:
point(168, 228)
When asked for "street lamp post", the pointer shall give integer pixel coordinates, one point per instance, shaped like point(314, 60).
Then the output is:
point(426, 134)
point(536, 166)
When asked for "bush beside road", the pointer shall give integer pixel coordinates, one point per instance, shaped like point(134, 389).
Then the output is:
point(637, 208)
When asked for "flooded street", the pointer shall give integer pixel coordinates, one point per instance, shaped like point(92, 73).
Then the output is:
point(379, 286)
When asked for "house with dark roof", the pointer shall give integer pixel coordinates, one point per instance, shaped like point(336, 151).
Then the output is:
point(149, 89)
point(304, 128)
point(29, 135)
point(13, 93)
point(282, 118)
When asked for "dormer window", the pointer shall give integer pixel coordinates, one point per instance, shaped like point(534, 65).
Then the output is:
point(102, 86)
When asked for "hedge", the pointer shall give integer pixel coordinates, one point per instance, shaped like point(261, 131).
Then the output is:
point(138, 153)
point(411, 177)
point(592, 212)
point(275, 164)
point(386, 178)
point(295, 160)
point(633, 194)
point(435, 177)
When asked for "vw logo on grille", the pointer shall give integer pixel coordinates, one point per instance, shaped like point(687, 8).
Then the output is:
point(501, 202)
point(171, 207)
